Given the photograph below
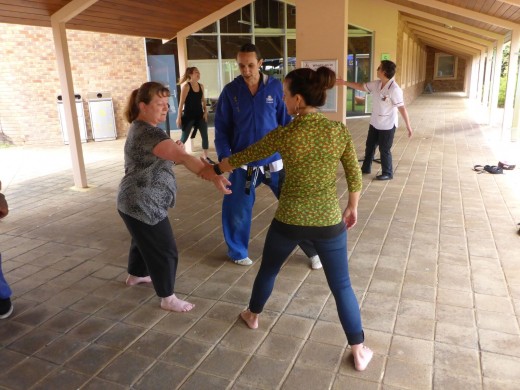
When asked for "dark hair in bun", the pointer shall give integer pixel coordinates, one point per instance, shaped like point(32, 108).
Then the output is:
point(312, 85)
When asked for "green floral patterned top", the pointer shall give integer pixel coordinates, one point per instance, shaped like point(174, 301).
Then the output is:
point(311, 147)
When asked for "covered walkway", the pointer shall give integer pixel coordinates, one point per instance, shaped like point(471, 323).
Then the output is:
point(434, 259)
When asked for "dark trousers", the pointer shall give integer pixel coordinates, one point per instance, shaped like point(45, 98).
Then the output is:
point(199, 124)
point(333, 255)
point(153, 252)
point(385, 140)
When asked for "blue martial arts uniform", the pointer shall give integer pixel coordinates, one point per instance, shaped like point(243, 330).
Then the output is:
point(241, 119)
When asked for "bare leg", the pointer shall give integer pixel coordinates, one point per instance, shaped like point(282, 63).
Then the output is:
point(205, 153)
point(132, 280)
point(362, 356)
point(172, 303)
point(251, 319)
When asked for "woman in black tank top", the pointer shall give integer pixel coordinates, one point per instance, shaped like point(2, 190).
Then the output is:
point(193, 108)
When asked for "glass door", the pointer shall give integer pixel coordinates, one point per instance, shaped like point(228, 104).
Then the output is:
point(359, 63)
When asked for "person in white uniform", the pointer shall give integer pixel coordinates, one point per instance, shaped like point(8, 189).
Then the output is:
point(387, 99)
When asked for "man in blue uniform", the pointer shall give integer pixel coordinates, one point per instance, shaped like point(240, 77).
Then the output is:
point(248, 108)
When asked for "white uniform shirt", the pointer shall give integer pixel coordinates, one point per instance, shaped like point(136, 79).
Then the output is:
point(384, 103)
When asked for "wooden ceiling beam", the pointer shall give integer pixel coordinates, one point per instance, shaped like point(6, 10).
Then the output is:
point(451, 22)
point(453, 39)
point(468, 13)
point(72, 9)
point(447, 31)
point(442, 42)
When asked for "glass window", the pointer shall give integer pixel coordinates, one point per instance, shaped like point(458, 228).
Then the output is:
point(291, 55)
point(202, 47)
point(212, 28)
point(269, 14)
point(445, 66)
point(291, 16)
point(270, 47)
point(230, 45)
point(239, 22)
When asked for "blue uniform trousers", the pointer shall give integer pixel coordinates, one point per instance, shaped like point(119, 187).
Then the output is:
point(237, 212)
point(5, 290)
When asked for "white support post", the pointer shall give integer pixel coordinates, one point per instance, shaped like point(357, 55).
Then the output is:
point(480, 81)
point(495, 85)
point(487, 77)
point(69, 104)
point(510, 106)
point(58, 20)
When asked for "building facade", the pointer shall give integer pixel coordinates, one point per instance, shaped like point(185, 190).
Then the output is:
point(115, 63)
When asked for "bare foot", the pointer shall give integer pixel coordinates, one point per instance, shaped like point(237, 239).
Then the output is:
point(362, 356)
point(251, 319)
point(172, 303)
point(132, 280)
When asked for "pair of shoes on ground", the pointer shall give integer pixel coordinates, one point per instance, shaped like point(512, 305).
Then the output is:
point(379, 177)
point(384, 177)
point(6, 308)
point(244, 261)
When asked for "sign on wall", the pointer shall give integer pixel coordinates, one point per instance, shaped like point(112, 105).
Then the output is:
point(331, 104)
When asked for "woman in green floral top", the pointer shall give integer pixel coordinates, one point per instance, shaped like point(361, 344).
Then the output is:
point(311, 147)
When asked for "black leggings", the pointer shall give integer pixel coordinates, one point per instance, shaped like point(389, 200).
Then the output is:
point(201, 125)
point(153, 253)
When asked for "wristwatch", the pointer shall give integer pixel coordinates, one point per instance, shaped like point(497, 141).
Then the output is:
point(217, 169)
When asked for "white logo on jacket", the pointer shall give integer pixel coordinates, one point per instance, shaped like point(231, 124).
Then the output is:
point(269, 99)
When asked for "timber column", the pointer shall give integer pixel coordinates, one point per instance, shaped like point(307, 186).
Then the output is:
point(321, 35)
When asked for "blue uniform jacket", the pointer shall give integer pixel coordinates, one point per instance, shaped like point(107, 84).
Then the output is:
point(242, 119)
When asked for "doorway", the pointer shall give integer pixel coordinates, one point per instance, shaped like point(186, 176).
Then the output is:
point(359, 68)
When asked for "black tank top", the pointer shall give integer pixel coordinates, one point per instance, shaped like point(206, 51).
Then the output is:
point(193, 104)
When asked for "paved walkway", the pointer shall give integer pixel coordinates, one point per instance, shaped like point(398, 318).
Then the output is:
point(434, 259)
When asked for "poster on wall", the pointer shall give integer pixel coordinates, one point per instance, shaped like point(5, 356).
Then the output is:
point(331, 104)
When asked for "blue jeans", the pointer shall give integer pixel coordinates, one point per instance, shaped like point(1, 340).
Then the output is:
point(5, 290)
point(237, 212)
point(333, 255)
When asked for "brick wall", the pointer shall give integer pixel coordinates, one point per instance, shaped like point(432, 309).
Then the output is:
point(29, 80)
point(456, 85)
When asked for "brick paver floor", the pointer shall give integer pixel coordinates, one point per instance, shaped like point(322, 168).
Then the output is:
point(434, 260)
